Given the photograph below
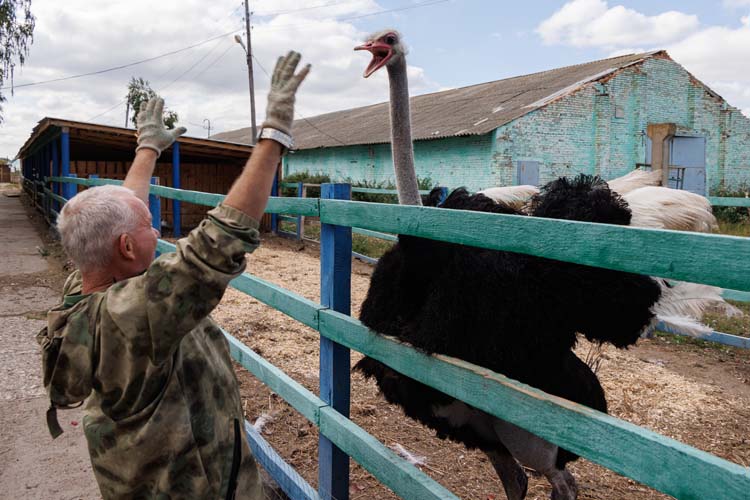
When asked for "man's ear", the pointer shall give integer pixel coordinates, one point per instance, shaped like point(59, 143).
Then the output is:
point(125, 247)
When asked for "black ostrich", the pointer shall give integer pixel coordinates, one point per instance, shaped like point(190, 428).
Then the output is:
point(514, 314)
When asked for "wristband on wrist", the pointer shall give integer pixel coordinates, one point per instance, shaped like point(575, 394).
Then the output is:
point(285, 140)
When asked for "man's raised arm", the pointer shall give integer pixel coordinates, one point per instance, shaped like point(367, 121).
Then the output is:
point(153, 138)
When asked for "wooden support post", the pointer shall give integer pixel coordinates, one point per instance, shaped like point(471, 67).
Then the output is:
point(55, 187)
point(335, 293)
point(660, 134)
point(70, 190)
point(176, 205)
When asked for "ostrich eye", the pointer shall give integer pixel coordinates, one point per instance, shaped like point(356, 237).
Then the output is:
point(390, 39)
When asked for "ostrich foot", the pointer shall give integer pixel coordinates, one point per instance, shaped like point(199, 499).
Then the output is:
point(563, 485)
point(510, 473)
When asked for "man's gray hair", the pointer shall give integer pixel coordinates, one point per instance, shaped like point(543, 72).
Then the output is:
point(91, 221)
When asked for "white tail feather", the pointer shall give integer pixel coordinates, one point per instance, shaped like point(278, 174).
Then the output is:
point(514, 196)
point(684, 325)
point(262, 421)
point(408, 456)
point(634, 180)
point(665, 208)
point(692, 300)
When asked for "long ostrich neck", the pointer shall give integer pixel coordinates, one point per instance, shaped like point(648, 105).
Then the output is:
point(401, 145)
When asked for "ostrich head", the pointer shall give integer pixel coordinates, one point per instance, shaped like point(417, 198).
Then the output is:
point(386, 49)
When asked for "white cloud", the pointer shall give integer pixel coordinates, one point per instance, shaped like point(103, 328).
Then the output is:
point(719, 56)
point(592, 23)
point(71, 37)
point(736, 3)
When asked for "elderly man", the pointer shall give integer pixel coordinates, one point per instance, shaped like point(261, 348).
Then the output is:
point(132, 336)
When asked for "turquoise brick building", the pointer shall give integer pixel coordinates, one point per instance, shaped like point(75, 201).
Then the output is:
point(531, 129)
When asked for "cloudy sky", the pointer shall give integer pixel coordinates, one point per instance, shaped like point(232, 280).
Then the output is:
point(452, 43)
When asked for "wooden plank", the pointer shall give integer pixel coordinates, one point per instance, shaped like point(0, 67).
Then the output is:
point(652, 459)
point(365, 258)
point(720, 201)
point(718, 260)
point(293, 305)
point(284, 474)
point(405, 480)
point(736, 295)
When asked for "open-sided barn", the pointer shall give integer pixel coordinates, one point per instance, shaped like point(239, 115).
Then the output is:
point(591, 117)
point(60, 147)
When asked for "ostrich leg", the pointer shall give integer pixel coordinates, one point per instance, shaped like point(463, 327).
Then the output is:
point(510, 473)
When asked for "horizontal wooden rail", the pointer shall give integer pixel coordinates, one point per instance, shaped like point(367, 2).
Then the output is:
point(650, 458)
point(736, 295)
point(717, 260)
point(722, 201)
point(718, 337)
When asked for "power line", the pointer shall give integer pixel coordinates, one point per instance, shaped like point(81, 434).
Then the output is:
point(296, 111)
point(115, 68)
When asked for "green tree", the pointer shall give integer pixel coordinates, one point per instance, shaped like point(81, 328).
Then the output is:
point(139, 90)
point(16, 36)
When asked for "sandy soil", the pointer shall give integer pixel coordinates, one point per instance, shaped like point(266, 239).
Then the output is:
point(698, 395)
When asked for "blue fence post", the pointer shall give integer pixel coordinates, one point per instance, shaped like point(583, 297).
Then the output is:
point(65, 152)
point(275, 192)
point(55, 187)
point(300, 186)
point(69, 189)
point(176, 205)
point(335, 293)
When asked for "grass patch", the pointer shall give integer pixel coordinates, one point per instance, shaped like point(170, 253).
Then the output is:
point(739, 325)
point(734, 228)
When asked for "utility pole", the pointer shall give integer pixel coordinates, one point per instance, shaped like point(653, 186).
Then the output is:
point(249, 53)
point(127, 112)
point(209, 126)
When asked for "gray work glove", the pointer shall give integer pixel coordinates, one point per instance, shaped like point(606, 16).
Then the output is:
point(284, 84)
point(152, 133)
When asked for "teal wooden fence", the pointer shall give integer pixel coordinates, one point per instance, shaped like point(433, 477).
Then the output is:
point(645, 456)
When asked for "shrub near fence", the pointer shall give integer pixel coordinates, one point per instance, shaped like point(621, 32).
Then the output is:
point(657, 461)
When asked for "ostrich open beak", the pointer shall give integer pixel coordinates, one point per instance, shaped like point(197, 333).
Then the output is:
point(381, 54)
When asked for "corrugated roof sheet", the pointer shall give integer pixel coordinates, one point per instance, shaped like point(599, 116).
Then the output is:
point(474, 110)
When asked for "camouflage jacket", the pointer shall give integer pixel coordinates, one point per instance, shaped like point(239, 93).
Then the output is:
point(164, 417)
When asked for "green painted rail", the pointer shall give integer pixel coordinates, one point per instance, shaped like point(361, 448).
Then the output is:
point(276, 205)
point(717, 260)
point(721, 201)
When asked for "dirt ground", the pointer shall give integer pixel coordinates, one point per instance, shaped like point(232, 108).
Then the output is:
point(696, 393)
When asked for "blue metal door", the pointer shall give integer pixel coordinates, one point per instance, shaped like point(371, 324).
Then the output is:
point(528, 173)
point(687, 163)
point(688, 157)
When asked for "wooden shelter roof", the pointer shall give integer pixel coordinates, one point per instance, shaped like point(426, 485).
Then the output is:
point(90, 141)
